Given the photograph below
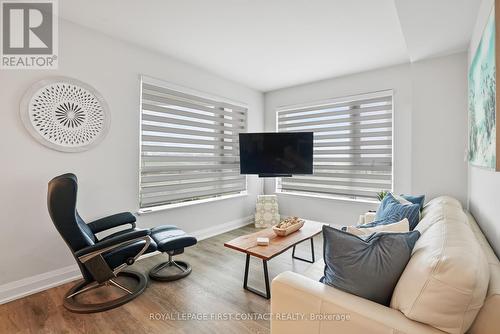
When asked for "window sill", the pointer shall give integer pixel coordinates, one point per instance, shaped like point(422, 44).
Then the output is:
point(330, 197)
point(189, 203)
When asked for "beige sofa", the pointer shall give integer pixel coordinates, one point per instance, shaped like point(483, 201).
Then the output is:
point(450, 285)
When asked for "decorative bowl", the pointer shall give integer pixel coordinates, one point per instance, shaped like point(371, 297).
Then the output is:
point(282, 232)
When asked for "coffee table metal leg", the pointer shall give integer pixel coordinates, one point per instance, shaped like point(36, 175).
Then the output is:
point(305, 260)
point(267, 294)
point(266, 279)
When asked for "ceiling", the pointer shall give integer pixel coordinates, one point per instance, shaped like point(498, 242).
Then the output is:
point(271, 44)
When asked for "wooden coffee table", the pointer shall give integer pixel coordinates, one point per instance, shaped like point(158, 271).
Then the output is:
point(248, 244)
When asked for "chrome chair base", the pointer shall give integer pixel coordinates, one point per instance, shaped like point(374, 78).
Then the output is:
point(71, 304)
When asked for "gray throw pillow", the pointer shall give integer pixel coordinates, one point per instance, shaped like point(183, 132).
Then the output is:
point(368, 267)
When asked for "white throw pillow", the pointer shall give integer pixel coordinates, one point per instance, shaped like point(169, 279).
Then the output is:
point(401, 226)
point(366, 218)
point(401, 199)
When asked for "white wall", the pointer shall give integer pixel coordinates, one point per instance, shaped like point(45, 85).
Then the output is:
point(484, 185)
point(429, 131)
point(439, 127)
point(108, 174)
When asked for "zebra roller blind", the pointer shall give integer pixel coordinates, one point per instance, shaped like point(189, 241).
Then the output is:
point(189, 145)
point(352, 145)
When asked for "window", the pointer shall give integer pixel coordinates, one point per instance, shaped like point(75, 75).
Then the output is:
point(352, 145)
point(189, 145)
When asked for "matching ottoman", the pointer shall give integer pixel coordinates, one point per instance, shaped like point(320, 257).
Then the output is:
point(172, 241)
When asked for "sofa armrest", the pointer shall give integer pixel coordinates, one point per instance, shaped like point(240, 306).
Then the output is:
point(319, 308)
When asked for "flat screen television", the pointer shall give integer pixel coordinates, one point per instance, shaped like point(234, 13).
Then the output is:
point(276, 154)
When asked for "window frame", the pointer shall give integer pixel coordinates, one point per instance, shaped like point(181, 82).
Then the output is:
point(332, 196)
point(181, 89)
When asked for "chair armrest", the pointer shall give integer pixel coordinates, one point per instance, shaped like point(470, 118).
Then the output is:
point(115, 220)
point(111, 243)
point(294, 294)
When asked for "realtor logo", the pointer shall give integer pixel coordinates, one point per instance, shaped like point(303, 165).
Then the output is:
point(29, 34)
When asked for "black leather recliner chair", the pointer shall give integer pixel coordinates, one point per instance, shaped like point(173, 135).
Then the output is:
point(101, 261)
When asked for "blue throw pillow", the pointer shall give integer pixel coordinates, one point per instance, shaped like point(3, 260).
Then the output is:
point(420, 199)
point(390, 206)
point(367, 268)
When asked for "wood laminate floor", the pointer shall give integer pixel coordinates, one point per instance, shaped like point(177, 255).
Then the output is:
point(214, 289)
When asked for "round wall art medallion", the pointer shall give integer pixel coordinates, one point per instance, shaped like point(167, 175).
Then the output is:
point(65, 114)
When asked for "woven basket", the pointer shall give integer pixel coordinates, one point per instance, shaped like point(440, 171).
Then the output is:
point(283, 232)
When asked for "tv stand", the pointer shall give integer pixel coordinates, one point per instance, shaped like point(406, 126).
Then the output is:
point(275, 175)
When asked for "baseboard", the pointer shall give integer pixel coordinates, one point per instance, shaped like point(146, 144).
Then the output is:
point(30, 285)
point(222, 228)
